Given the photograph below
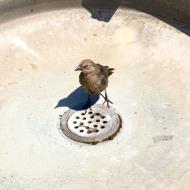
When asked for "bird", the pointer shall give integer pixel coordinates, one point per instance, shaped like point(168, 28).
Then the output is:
point(94, 78)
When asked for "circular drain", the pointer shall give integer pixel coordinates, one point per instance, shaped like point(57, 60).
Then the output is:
point(94, 126)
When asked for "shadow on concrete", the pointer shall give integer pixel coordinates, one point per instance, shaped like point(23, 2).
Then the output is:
point(101, 10)
point(77, 100)
point(104, 10)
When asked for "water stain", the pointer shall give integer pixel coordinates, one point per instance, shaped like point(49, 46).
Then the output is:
point(1, 103)
point(12, 83)
point(160, 138)
point(34, 67)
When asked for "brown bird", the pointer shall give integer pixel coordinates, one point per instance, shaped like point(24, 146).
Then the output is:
point(94, 78)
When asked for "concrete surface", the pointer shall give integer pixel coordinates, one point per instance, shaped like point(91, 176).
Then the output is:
point(150, 89)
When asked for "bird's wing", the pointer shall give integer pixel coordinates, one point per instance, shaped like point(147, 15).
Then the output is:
point(105, 69)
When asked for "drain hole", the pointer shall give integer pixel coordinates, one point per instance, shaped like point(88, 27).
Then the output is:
point(92, 126)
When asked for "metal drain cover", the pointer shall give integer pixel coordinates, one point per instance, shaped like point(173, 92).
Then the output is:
point(96, 125)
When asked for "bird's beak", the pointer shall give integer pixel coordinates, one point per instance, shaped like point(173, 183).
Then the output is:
point(78, 68)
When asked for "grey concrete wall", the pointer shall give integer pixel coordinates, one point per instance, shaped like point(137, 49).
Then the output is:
point(170, 11)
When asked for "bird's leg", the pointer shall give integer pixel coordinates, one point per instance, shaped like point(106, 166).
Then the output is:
point(106, 99)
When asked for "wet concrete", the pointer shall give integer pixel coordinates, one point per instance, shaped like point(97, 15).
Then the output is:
point(150, 88)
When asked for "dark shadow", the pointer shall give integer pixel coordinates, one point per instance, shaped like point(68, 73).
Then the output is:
point(101, 10)
point(167, 17)
point(77, 100)
point(185, 28)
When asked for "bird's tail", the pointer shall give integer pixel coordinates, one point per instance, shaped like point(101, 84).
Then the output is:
point(110, 71)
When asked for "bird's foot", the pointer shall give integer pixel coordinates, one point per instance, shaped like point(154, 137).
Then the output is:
point(107, 101)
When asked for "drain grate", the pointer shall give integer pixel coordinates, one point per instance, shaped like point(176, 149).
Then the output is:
point(94, 126)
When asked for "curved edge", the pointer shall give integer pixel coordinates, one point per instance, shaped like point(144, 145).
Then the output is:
point(10, 10)
point(173, 12)
point(63, 128)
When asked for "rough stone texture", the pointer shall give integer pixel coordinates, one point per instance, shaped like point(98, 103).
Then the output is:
point(150, 89)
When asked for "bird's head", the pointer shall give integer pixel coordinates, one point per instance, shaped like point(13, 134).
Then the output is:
point(86, 66)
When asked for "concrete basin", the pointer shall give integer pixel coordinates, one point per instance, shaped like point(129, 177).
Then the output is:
point(41, 43)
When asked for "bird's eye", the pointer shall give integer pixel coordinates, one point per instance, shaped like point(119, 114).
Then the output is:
point(86, 66)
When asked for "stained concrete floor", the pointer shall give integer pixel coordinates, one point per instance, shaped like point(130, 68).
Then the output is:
point(150, 89)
